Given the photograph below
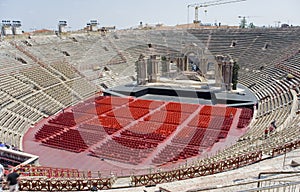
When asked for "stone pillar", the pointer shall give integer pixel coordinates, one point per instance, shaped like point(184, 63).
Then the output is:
point(218, 71)
point(141, 69)
point(186, 63)
point(167, 63)
point(165, 66)
point(224, 72)
point(178, 65)
point(203, 65)
point(227, 74)
point(153, 69)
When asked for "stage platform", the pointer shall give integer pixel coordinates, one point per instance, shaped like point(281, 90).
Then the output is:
point(203, 94)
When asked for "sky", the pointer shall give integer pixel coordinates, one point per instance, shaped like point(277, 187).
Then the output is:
point(45, 14)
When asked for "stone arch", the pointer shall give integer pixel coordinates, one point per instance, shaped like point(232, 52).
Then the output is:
point(198, 52)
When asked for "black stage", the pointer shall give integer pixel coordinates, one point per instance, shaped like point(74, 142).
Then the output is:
point(207, 95)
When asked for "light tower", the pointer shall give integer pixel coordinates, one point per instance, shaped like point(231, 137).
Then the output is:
point(62, 26)
point(94, 25)
point(6, 27)
point(16, 27)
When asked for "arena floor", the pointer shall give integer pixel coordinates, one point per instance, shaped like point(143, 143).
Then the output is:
point(83, 161)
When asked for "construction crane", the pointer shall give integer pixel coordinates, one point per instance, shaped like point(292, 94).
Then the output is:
point(208, 4)
point(243, 23)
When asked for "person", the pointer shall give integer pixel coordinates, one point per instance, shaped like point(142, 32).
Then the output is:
point(1, 176)
point(266, 133)
point(94, 188)
point(273, 123)
point(271, 129)
point(2, 145)
point(12, 181)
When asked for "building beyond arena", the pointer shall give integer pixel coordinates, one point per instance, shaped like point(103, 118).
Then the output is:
point(73, 105)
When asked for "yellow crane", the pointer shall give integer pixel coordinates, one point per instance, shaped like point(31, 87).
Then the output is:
point(208, 4)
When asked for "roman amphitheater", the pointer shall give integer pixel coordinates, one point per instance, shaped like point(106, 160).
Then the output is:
point(152, 109)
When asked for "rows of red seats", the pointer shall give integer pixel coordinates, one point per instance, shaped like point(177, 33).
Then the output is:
point(175, 118)
point(147, 136)
point(128, 112)
point(95, 125)
point(246, 113)
point(230, 112)
point(194, 140)
point(188, 142)
point(93, 108)
point(110, 100)
point(150, 131)
point(111, 122)
point(174, 153)
point(187, 152)
point(223, 111)
point(70, 119)
point(100, 108)
point(119, 151)
point(243, 123)
point(66, 119)
point(147, 104)
point(221, 118)
point(206, 110)
point(70, 140)
point(212, 136)
point(81, 117)
point(197, 136)
point(166, 129)
point(135, 143)
point(200, 121)
point(90, 127)
point(185, 135)
point(47, 130)
point(218, 111)
point(181, 107)
point(98, 129)
point(222, 123)
point(105, 124)
point(245, 118)
point(227, 122)
point(215, 122)
point(91, 137)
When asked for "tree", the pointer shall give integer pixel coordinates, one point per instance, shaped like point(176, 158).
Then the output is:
point(251, 25)
point(235, 70)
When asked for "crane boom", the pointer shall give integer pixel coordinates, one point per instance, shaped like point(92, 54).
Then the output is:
point(210, 3)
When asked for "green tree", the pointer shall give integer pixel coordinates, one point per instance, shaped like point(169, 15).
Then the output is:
point(235, 72)
point(251, 25)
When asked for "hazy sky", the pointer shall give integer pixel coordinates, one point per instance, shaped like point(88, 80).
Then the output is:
point(38, 14)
